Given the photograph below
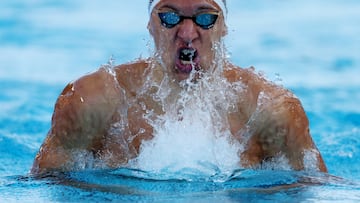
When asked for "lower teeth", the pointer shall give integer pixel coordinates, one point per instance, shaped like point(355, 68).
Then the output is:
point(186, 62)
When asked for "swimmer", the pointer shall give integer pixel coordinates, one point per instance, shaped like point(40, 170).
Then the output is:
point(102, 119)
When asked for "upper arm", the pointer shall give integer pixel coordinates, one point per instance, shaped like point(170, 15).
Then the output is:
point(84, 110)
point(81, 118)
point(280, 126)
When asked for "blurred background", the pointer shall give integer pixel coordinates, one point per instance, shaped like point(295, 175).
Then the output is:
point(302, 42)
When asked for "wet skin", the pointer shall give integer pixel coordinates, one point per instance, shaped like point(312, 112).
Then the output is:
point(102, 114)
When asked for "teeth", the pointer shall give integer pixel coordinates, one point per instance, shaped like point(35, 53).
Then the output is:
point(189, 52)
point(186, 62)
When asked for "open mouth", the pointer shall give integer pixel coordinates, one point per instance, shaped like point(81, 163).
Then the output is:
point(187, 60)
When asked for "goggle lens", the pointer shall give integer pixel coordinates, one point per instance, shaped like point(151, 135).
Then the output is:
point(206, 20)
point(203, 20)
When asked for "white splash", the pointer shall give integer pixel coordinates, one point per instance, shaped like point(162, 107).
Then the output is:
point(311, 160)
point(188, 144)
point(279, 162)
point(193, 134)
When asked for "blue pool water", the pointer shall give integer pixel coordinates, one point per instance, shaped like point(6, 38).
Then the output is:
point(310, 47)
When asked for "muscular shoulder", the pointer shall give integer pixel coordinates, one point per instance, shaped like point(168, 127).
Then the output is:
point(85, 107)
point(105, 83)
point(131, 76)
point(91, 89)
point(136, 67)
point(271, 104)
point(257, 84)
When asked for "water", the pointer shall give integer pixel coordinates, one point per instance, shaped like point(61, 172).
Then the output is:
point(310, 47)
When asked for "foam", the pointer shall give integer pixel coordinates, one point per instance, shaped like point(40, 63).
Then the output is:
point(193, 134)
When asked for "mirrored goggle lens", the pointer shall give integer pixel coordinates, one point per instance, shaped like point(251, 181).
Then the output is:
point(206, 20)
point(169, 19)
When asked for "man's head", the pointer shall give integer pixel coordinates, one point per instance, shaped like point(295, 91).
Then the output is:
point(185, 32)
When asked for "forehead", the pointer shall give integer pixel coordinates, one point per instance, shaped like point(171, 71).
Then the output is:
point(188, 5)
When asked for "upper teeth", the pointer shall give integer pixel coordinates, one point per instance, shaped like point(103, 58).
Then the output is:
point(189, 52)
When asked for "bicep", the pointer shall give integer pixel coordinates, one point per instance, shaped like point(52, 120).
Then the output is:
point(82, 115)
point(77, 121)
point(279, 126)
point(85, 109)
point(76, 126)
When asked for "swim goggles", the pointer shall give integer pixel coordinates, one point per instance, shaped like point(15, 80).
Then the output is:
point(204, 20)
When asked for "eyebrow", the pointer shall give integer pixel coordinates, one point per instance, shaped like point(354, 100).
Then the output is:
point(199, 9)
point(168, 7)
point(205, 7)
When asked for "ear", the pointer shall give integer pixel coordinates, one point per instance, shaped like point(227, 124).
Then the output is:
point(225, 31)
point(149, 27)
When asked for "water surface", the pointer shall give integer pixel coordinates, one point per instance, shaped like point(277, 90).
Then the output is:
point(309, 47)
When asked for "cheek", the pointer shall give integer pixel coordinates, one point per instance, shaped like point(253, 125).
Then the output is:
point(218, 34)
point(163, 38)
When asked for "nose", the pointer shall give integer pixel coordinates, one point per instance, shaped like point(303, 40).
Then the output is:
point(187, 31)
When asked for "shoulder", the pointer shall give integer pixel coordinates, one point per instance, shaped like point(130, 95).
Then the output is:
point(92, 88)
point(97, 92)
point(105, 83)
point(247, 76)
point(273, 106)
point(264, 94)
point(85, 108)
point(131, 71)
point(257, 83)
point(131, 76)
point(138, 66)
